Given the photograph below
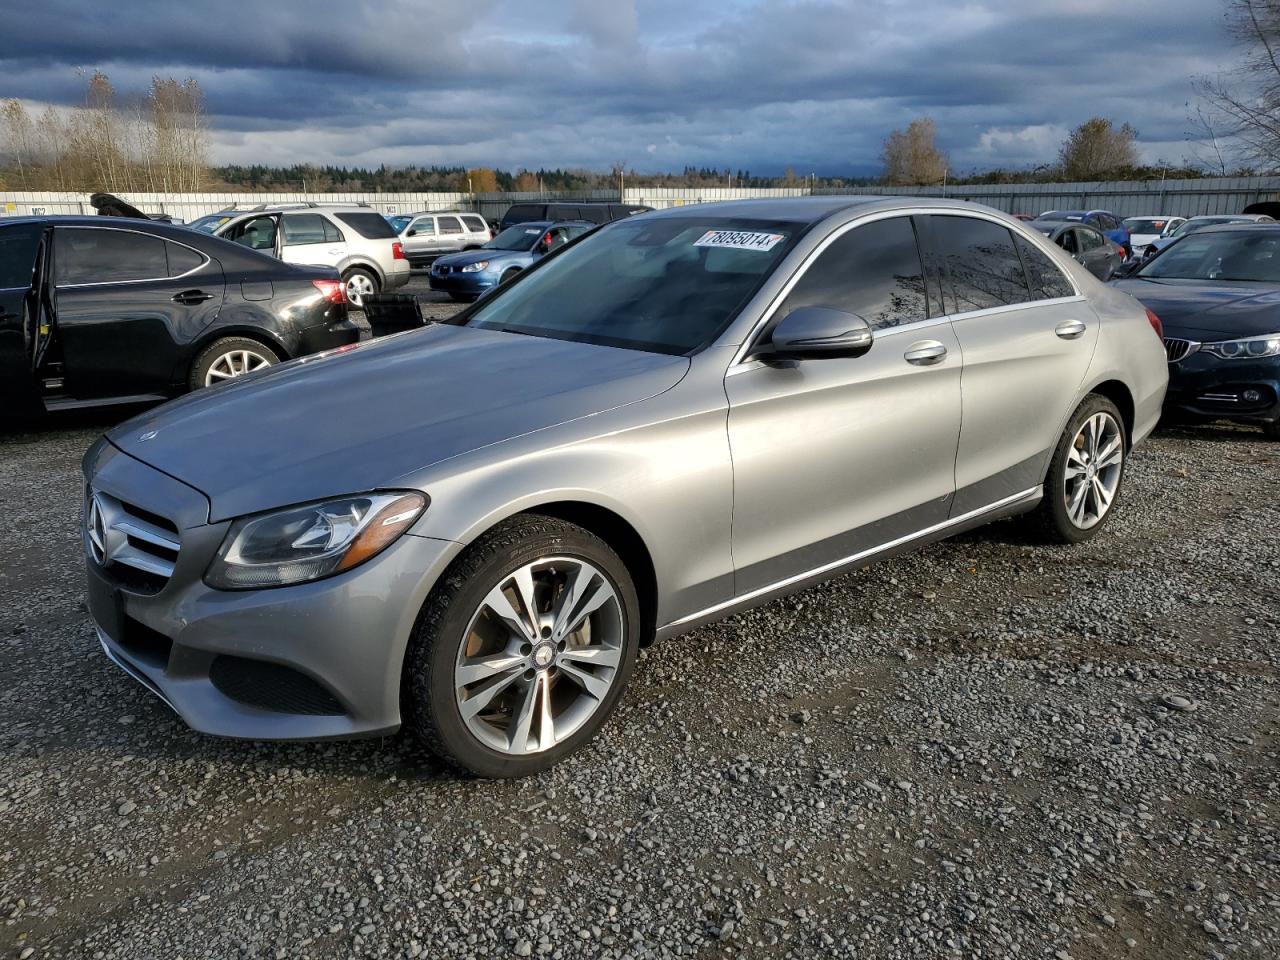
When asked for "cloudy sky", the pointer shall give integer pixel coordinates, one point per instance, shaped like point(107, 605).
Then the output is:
point(756, 84)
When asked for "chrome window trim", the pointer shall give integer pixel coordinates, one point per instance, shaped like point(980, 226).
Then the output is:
point(749, 341)
point(206, 259)
point(852, 559)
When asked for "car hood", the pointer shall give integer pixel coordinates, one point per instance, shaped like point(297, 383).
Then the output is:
point(1200, 310)
point(475, 256)
point(1142, 239)
point(358, 419)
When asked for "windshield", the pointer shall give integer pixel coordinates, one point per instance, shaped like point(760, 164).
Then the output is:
point(209, 223)
point(667, 286)
point(1145, 225)
point(1060, 215)
point(1234, 255)
point(1191, 226)
point(519, 237)
point(399, 223)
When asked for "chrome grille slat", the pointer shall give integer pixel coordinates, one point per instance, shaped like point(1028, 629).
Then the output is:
point(1177, 349)
point(145, 531)
point(113, 530)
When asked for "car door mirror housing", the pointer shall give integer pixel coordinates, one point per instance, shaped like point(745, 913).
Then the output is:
point(815, 333)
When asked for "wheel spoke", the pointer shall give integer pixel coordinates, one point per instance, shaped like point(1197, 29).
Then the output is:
point(585, 593)
point(596, 656)
point(498, 604)
point(530, 705)
point(1075, 464)
point(1111, 453)
point(594, 685)
point(481, 668)
point(481, 698)
point(1101, 495)
point(1076, 505)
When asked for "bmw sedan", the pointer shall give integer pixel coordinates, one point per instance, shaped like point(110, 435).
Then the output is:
point(466, 276)
point(105, 310)
point(671, 419)
point(1218, 293)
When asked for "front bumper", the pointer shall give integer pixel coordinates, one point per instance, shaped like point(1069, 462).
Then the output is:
point(312, 661)
point(1204, 386)
point(465, 284)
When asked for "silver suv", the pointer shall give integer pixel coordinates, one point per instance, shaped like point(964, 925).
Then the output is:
point(356, 240)
point(429, 234)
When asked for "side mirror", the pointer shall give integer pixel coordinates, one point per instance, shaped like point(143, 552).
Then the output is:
point(815, 333)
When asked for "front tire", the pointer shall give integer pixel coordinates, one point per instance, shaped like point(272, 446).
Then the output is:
point(1272, 430)
point(523, 648)
point(1085, 475)
point(509, 276)
point(228, 358)
point(462, 297)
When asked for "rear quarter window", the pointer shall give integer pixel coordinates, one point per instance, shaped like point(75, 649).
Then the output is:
point(371, 226)
point(475, 224)
point(18, 246)
point(1047, 281)
point(524, 212)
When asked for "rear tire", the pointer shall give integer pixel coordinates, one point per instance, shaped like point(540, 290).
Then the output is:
point(1085, 475)
point(360, 283)
point(462, 653)
point(228, 358)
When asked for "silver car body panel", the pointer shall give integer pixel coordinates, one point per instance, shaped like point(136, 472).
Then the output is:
point(742, 480)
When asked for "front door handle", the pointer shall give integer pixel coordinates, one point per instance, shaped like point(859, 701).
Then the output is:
point(925, 353)
point(1070, 329)
point(191, 297)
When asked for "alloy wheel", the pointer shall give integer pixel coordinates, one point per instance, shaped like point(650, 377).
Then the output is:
point(540, 655)
point(359, 286)
point(1095, 460)
point(234, 363)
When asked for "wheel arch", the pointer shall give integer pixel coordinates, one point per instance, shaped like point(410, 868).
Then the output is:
point(248, 332)
point(363, 263)
point(1118, 392)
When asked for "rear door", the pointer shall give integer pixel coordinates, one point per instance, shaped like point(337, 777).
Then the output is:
point(1027, 340)
point(21, 324)
point(309, 238)
point(127, 306)
point(1096, 253)
point(451, 235)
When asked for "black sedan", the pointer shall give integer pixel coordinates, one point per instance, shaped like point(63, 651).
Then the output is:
point(1217, 293)
point(1088, 246)
point(97, 310)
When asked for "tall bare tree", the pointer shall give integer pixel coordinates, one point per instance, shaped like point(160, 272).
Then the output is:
point(20, 134)
point(1098, 148)
point(1246, 99)
point(912, 158)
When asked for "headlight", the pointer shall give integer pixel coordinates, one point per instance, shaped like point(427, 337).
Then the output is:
point(312, 540)
point(1250, 348)
point(474, 267)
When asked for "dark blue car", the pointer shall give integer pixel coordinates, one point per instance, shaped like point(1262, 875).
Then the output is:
point(465, 276)
point(1112, 227)
point(1217, 293)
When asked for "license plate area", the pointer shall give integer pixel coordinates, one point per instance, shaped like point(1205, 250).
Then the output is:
point(106, 606)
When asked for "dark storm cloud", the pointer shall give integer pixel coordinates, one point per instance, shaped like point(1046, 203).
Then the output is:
point(658, 84)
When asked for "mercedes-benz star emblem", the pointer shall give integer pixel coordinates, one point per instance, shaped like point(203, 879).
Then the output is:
point(97, 530)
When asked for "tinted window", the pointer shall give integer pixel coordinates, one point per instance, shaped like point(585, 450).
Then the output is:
point(1047, 281)
point(331, 233)
point(524, 212)
point(102, 256)
point(981, 261)
point(1090, 239)
point(303, 228)
point(1236, 255)
point(371, 226)
point(475, 224)
point(1067, 241)
point(873, 271)
point(18, 247)
point(182, 259)
point(448, 224)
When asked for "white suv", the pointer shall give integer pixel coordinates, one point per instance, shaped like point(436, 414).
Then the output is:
point(427, 235)
point(358, 241)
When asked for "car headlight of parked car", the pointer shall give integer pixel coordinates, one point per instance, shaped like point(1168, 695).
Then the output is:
point(312, 540)
point(475, 267)
point(1250, 348)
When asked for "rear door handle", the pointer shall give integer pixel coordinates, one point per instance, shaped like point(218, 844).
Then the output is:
point(1070, 329)
point(191, 297)
point(925, 353)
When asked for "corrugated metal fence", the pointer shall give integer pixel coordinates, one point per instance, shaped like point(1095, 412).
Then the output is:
point(1127, 198)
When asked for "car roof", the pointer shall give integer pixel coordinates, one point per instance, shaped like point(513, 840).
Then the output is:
point(1058, 224)
point(158, 227)
point(807, 210)
point(1251, 226)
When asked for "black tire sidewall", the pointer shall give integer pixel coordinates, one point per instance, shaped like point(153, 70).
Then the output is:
point(1058, 521)
point(204, 359)
point(433, 707)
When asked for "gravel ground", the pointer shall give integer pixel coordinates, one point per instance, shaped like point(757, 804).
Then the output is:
point(987, 749)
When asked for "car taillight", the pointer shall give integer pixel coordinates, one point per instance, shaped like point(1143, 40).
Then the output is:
point(1156, 325)
point(397, 251)
point(335, 291)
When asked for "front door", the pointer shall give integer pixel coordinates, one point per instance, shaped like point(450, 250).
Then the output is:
point(22, 326)
point(127, 306)
point(838, 456)
point(421, 241)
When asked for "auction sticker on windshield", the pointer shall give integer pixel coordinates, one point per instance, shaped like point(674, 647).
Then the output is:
point(740, 240)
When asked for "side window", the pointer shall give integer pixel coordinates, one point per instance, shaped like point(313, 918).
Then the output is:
point(303, 228)
point(1067, 241)
point(981, 261)
point(475, 224)
point(182, 259)
point(1047, 281)
point(449, 224)
point(331, 232)
point(18, 246)
point(872, 270)
point(258, 233)
point(96, 255)
point(1090, 239)
point(424, 227)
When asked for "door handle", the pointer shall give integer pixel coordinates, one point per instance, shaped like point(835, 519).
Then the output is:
point(191, 297)
point(1070, 329)
point(335, 253)
point(925, 353)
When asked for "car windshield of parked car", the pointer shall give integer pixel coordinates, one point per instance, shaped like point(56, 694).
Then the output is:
point(399, 223)
point(520, 237)
point(1143, 225)
point(1191, 226)
point(1234, 255)
point(209, 223)
point(669, 285)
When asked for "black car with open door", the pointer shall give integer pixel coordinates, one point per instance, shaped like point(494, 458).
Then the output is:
point(98, 310)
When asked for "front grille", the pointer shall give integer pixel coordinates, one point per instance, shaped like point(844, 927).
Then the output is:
point(133, 546)
point(1176, 349)
point(271, 686)
point(440, 269)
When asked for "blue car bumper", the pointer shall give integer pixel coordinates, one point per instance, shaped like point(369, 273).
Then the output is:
point(463, 284)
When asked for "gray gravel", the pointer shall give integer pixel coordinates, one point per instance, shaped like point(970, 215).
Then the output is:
point(987, 749)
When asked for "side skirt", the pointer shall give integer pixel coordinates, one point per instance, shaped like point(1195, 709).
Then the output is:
point(1008, 507)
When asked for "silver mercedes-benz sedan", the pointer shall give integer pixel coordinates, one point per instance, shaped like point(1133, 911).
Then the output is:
point(470, 529)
